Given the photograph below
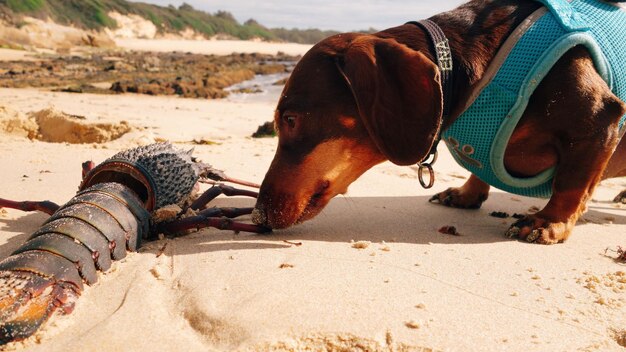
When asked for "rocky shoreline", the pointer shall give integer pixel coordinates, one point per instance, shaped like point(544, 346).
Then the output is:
point(184, 74)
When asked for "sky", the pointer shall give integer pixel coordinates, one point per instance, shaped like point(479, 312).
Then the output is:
point(323, 14)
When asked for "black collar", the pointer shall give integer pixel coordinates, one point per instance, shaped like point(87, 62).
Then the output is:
point(443, 54)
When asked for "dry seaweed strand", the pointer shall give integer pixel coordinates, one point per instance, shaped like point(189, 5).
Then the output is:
point(499, 214)
point(297, 244)
point(449, 230)
point(621, 254)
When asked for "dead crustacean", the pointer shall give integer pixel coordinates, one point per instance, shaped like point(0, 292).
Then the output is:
point(110, 215)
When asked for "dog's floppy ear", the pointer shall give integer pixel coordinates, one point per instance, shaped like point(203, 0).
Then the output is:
point(398, 93)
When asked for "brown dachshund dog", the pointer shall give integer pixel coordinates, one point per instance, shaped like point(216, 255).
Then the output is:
point(356, 100)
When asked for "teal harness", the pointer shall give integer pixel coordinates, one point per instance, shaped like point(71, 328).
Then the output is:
point(478, 138)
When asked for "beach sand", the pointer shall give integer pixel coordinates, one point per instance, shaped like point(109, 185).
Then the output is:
point(410, 289)
point(12, 55)
point(216, 47)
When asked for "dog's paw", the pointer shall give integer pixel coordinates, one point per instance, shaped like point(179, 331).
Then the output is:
point(535, 229)
point(620, 198)
point(455, 197)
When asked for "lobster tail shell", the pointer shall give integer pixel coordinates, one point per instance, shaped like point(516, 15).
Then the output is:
point(47, 272)
point(109, 215)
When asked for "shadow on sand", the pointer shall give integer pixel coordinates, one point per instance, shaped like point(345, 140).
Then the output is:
point(410, 220)
point(376, 219)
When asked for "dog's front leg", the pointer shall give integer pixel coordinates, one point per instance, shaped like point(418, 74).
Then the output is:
point(469, 196)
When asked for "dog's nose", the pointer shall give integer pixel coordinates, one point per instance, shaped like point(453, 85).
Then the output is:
point(259, 216)
point(275, 210)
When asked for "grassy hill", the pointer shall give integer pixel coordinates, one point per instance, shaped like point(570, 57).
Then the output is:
point(93, 14)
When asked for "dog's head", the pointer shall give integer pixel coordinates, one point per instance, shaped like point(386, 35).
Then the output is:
point(352, 102)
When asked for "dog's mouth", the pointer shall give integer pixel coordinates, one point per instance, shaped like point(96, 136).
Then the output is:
point(316, 203)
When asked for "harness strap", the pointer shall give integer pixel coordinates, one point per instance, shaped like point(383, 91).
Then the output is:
point(569, 18)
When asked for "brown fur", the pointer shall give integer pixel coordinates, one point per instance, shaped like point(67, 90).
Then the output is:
point(355, 100)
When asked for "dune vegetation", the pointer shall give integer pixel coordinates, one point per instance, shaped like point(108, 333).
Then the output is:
point(94, 14)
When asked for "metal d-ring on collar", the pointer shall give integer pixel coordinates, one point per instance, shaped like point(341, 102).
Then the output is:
point(443, 54)
point(427, 164)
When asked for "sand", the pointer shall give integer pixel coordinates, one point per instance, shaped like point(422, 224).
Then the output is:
point(51, 125)
point(308, 288)
point(13, 55)
point(45, 35)
point(217, 47)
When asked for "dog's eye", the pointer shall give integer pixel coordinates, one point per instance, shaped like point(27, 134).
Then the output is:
point(290, 120)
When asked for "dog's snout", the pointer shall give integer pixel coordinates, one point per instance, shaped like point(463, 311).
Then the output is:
point(272, 207)
point(259, 217)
